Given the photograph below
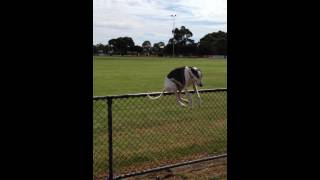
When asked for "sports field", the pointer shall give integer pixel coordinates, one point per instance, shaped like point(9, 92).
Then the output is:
point(149, 133)
point(123, 75)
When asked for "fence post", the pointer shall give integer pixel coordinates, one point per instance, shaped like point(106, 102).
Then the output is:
point(109, 99)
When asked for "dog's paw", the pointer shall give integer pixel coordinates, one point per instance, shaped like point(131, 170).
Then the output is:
point(185, 100)
point(182, 104)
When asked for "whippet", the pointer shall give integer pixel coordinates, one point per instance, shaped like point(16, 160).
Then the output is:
point(180, 79)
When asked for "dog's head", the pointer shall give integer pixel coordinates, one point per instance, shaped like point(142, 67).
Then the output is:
point(197, 75)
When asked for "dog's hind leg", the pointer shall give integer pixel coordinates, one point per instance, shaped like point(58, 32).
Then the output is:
point(182, 99)
point(178, 99)
point(189, 97)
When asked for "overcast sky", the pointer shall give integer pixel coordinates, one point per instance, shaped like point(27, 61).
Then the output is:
point(150, 19)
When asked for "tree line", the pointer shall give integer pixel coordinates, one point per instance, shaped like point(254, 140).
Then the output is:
point(180, 44)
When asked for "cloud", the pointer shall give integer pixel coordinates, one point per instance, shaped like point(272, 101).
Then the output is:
point(150, 19)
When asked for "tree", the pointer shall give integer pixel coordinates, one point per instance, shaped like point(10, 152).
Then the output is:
point(146, 45)
point(138, 49)
point(182, 41)
point(158, 48)
point(100, 48)
point(122, 44)
point(214, 43)
point(95, 52)
point(182, 35)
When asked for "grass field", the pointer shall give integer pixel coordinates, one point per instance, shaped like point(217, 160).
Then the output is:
point(149, 133)
point(123, 75)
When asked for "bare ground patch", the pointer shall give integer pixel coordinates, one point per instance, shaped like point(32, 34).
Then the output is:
point(210, 170)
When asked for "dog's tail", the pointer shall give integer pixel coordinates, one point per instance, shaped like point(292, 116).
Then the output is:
point(153, 98)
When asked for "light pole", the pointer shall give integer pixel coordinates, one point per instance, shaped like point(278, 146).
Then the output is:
point(173, 15)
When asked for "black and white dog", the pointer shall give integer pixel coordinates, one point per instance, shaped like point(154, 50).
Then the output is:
point(180, 79)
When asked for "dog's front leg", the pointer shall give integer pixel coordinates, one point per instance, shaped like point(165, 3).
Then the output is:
point(196, 90)
point(189, 97)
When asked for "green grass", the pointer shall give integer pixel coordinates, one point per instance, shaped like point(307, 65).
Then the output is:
point(149, 133)
point(123, 75)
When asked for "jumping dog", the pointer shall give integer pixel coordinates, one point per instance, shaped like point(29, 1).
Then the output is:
point(180, 79)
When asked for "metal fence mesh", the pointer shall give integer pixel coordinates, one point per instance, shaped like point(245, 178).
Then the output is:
point(100, 138)
point(152, 133)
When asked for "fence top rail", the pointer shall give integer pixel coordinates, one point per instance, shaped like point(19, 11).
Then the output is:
point(153, 94)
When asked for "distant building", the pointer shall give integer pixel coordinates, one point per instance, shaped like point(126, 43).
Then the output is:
point(100, 53)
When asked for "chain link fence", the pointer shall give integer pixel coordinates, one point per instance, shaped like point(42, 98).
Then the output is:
point(147, 134)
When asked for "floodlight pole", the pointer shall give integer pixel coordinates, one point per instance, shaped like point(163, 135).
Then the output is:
point(173, 15)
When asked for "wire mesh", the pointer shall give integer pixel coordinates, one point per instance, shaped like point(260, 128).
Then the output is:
point(151, 133)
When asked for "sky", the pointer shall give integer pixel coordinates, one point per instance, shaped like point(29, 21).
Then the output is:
point(150, 19)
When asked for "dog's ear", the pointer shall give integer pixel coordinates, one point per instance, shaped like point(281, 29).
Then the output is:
point(198, 71)
point(194, 71)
